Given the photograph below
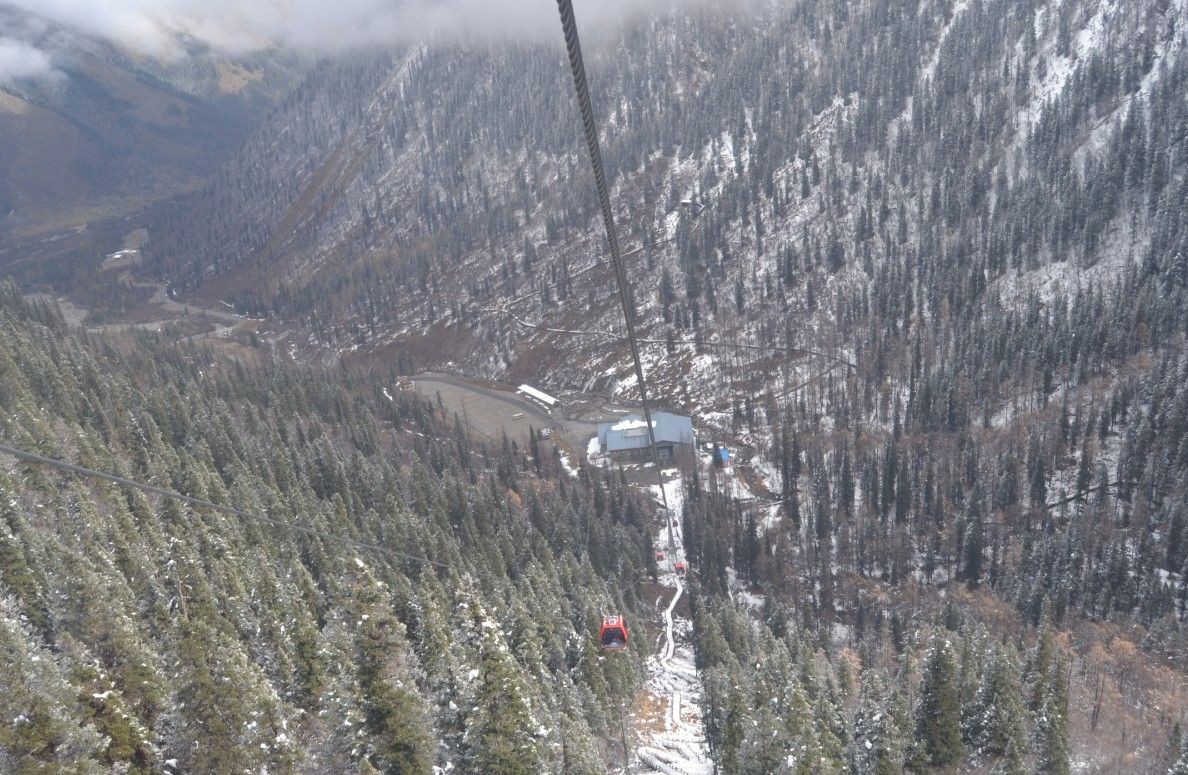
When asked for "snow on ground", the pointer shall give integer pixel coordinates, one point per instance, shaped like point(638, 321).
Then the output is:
point(569, 466)
point(732, 487)
point(767, 473)
point(594, 454)
point(625, 385)
point(718, 419)
point(930, 69)
point(674, 491)
point(679, 748)
point(1064, 277)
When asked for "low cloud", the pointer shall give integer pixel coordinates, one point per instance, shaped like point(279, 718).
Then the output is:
point(20, 61)
point(167, 29)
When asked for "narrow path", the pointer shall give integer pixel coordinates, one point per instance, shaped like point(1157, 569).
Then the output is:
point(176, 310)
point(161, 298)
point(678, 747)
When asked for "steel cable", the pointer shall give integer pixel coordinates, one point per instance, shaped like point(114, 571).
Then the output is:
point(581, 87)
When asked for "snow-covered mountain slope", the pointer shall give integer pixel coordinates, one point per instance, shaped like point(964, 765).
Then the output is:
point(778, 170)
point(921, 265)
point(363, 611)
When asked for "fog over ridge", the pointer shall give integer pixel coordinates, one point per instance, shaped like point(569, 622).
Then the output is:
point(169, 29)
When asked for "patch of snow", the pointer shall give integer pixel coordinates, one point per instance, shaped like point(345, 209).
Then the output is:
point(568, 465)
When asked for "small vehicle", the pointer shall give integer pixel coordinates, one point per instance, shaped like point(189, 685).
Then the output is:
point(612, 636)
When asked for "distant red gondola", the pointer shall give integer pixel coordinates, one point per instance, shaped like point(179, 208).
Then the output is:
point(612, 636)
point(659, 556)
point(680, 568)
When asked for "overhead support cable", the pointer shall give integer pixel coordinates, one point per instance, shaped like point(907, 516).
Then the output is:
point(581, 87)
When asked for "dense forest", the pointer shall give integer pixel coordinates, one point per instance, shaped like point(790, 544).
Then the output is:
point(140, 634)
point(981, 705)
point(924, 265)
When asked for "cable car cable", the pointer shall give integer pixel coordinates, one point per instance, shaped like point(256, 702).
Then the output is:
point(581, 87)
point(31, 457)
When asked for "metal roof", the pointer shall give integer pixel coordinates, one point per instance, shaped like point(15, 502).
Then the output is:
point(539, 395)
point(631, 432)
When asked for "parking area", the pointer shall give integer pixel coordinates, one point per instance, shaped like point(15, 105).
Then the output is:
point(494, 410)
point(485, 411)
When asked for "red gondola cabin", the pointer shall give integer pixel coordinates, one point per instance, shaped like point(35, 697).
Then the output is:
point(680, 568)
point(613, 634)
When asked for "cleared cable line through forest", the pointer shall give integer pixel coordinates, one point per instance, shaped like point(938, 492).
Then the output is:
point(653, 757)
point(62, 465)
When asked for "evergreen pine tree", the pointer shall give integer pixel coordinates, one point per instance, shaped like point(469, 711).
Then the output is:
point(996, 722)
point(1180, 766)
point(393, 708)
point(973, 554)
point(1175, 744)
point(502, 733)
point(42, 730)
point(938, 718)
point(1052, 747)
point(877, 744)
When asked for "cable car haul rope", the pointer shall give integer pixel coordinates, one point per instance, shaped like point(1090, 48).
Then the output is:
point(613, 633)
point(574, 48)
